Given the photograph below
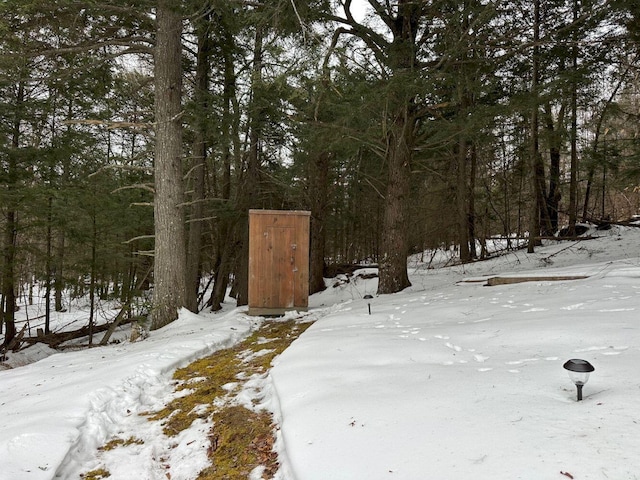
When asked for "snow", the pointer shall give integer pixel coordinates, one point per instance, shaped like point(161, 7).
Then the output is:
point(55, 413)
point(448, 379)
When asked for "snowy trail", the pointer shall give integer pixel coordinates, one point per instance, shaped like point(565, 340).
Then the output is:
point(65, 406)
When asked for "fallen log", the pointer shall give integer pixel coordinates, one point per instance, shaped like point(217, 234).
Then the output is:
point(117, 321)
point(493, 281)
point(335, 269)
point(54, 340)
point(14, 344)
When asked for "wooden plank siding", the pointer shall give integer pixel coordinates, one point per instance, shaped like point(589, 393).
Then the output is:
point(278, 261)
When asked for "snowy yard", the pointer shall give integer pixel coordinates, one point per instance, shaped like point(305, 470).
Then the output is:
point(446, 380)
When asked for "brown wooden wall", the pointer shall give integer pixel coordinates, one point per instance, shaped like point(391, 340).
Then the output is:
point(278, 261)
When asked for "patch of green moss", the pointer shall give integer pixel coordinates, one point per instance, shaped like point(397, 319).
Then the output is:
point(212, 372)
point(120, 442)
point(96, 474)
point(274, 337)
point(241, 440)
point(206, 377)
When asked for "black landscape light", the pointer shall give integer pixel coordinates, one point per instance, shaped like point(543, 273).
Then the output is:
point(368, 297)
point(579, 371)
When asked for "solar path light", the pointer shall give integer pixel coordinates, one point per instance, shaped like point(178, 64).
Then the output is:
point(368, 297)
point(579, 371)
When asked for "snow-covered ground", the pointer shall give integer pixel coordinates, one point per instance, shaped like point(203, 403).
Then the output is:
point(449, 379)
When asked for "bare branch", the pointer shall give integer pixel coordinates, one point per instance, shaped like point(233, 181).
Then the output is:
point(204, 219)
point(130, 43)
point(384, 14)
point(122, 167)
point(191, 170)
point(142, 186)
point(140, 237)
point(365, 34)
point(108, 124)
point(302, 25)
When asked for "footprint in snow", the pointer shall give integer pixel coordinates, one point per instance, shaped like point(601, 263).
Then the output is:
point(482, 320)
point(480, 358)
point(520, 362)
point(453, 347)
point(572, 307)
point(616, 350)
point(589, 349)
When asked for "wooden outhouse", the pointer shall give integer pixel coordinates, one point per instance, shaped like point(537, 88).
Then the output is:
point(278, 261)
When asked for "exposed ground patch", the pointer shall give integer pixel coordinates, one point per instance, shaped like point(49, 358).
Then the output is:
point(241, 438)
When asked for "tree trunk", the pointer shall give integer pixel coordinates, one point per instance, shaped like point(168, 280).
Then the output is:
point(227, 226)
point(8, 276)
point(198, 170)
point(394, 243)
point(462, 199)
point(471, 212)
point(399, 151)
point(169, 291)
point(318, 192)
point(230, 117)
point(11, 226)
point(534, 220)
point(48, 271)
point(573, 182)
point(553, 196)
point(223, 270)
point(251, 185)
point(58, 281)
point(92, 281)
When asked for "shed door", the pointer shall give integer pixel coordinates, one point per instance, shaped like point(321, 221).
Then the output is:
point(283, 253)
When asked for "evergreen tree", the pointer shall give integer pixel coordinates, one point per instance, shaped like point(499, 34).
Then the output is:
point(169, 293)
